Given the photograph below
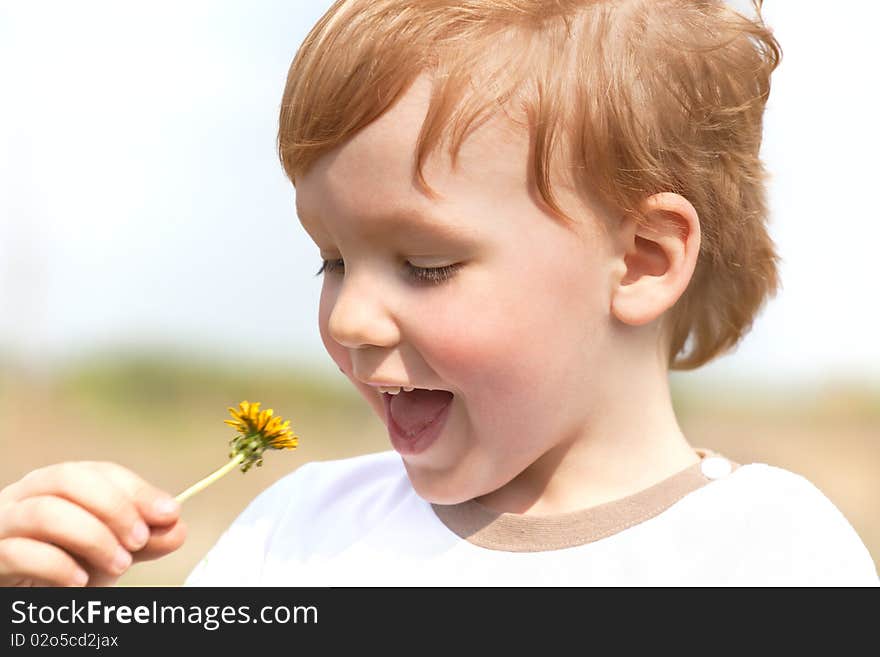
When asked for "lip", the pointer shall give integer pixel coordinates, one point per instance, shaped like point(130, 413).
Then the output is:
point(427, 437)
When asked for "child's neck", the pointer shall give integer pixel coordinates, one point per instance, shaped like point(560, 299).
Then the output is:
point(632, 442)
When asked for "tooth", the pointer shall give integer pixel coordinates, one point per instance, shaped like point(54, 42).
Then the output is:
point(408, 389)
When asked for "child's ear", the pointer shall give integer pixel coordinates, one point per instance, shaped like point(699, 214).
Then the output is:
point(656, 260)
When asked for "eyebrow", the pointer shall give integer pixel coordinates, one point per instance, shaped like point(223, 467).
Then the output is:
point(410, 221)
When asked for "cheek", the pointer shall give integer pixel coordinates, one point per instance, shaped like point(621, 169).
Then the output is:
point(513, 347)
point(480, 341)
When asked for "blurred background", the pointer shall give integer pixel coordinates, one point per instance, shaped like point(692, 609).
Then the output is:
point(153, 271)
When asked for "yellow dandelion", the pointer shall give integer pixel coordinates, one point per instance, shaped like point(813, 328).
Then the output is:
point(257, 431)
point(251, 421)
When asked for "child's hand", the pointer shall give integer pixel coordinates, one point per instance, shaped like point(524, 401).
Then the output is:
point(73, 524)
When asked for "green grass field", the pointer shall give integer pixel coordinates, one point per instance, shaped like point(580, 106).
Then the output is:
point(163, 418)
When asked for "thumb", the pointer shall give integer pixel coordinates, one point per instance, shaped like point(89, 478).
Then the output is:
point(156, 507)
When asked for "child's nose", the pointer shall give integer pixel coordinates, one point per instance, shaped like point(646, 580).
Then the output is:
point(360, 317)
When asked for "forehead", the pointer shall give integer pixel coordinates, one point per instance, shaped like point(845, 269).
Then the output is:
point(372, 176)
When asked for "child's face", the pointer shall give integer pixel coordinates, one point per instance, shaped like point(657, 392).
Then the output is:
point(519, 333)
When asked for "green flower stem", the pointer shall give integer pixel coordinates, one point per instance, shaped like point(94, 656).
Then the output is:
point(210, 479)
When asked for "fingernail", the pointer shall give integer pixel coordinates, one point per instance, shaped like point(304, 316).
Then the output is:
point(139, 534)
point(166, 506)
point(80, 578)
point(122, 560)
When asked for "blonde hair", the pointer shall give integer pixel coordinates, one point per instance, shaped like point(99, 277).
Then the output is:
point(633, 97)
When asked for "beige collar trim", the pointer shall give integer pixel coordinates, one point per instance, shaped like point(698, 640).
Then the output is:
point(514, 532)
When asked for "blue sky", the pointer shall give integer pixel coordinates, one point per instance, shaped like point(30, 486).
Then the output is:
point(141, 200)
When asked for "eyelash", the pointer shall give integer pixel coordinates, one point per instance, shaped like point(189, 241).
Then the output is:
point(433, 275)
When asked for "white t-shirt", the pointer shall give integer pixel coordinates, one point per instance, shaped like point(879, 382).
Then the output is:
point(359, 522)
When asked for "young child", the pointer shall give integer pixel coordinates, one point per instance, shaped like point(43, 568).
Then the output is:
point(529, 212)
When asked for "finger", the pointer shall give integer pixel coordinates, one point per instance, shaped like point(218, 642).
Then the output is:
point(163, 540)
point(156, 507)
point(25, 561)
point(56, 520)
point(96, 493)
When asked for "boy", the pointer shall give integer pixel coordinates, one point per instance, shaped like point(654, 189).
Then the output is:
point(511, 305)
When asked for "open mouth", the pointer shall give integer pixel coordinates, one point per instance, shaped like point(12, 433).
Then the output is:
point(413, 411)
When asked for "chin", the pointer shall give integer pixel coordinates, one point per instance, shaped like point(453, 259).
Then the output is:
point(437, 493)
point(442, 500)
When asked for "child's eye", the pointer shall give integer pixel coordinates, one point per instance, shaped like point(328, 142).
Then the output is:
point(434, 275)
